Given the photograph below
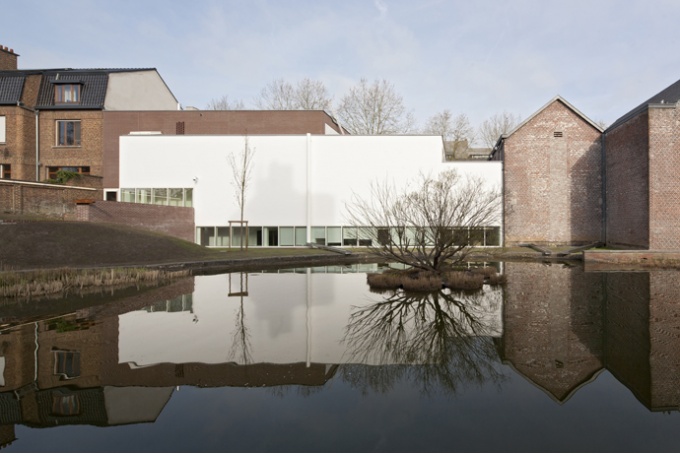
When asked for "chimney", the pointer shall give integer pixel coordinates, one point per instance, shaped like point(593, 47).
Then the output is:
point(8, 59)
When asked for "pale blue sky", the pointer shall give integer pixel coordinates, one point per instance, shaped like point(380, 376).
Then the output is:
point(472, 57)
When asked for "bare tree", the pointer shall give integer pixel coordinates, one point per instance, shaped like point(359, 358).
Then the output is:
point(223, 103)
point(427, 226)
point(493, 127)
point(241, 168)
point(457, 132)
point(307, 94)
point(374, 108)
point(441, 340)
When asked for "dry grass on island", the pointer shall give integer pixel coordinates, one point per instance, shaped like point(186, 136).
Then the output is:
point(424, 281)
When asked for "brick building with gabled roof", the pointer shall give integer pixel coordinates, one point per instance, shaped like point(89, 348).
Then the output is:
point(51, 119)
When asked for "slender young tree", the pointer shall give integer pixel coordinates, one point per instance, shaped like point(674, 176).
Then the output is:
point(242, 167)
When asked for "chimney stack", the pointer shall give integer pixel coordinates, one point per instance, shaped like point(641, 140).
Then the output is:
point(8, 59)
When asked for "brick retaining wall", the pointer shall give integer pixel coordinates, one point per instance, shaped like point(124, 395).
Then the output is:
point(169, 220)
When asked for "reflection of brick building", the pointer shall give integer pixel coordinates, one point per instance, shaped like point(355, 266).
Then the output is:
point(562, 326)
point(552, 323)
point(80, 381)
point(643, 335)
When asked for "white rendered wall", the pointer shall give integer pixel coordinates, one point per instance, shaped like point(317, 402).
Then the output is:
point(296, 180)
point(139, 90)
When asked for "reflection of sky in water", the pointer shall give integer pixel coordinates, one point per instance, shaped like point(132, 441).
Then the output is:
point(288, 318)
point(580, 360)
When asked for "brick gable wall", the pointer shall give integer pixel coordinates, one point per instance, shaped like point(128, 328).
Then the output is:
point(552, 185)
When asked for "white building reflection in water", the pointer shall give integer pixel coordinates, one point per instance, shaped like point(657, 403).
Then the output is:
point(269, 318)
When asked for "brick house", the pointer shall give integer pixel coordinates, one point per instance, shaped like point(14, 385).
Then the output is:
point(552, 177)
point(52, 119)
point(642, 158)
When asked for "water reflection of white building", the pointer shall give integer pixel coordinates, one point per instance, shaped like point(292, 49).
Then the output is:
point(285, 318)
point(298, 187)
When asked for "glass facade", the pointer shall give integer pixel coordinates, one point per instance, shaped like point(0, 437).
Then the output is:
point(290, 236)
point(182, 197)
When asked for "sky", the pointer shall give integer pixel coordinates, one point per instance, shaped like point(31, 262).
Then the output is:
point(478, 58)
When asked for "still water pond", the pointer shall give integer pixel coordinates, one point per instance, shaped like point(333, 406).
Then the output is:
point(560, 359)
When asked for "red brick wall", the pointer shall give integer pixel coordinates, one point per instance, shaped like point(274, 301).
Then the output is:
point(8, 59)
point(42, 199)
point(552, 185)
point(89, 153)
point(664, 178)
point(169, 220)
point(204, 122)
point(627, 183)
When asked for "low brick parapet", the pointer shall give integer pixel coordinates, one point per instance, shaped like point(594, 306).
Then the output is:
point(632, 258)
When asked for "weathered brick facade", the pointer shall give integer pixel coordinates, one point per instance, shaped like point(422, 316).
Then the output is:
point(664, 177)
point(56, 201)
point(642, 176)
point(626, 147)
point(169, 220)
point(552, 179)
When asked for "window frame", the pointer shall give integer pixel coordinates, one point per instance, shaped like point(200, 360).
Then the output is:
point(60, 93)
point(62, 141)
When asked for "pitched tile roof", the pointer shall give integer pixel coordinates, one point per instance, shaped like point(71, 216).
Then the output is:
point(10, 88)
point(93, 90)
point(670, 95)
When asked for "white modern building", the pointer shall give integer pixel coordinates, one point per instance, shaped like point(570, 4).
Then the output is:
point(299, 184)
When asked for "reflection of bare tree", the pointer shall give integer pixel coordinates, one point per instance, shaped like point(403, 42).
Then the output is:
point(438, 339)
point(240, 345)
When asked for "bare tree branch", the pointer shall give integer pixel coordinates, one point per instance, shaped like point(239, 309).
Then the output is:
point(493, 127)
point(223, 103)
point(307, 94)
point(375, 108)
point(429, 225)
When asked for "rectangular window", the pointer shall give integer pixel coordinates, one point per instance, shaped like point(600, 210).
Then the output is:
point(160, 196)
point(6, 171)
point(67, 93)
point(53, 171)
point(286, 236)
point(68, 133)
point(300, 236)
point(127, 195)
point(67, 363)
point(3, 128)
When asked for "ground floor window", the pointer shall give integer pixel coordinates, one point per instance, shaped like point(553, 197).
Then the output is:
point(183, 197)
point(291, 236)
point(53, 171)
point(6, 171)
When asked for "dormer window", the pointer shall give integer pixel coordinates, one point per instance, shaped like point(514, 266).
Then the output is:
point(67, 93)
